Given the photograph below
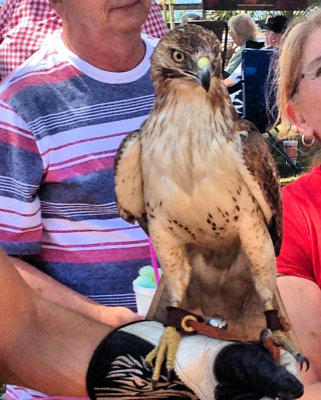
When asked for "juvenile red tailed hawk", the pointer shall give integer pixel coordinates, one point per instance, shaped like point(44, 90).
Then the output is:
point(204, 186)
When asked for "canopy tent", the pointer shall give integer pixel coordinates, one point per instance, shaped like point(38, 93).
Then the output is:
point(204, 5)
point(255, 4)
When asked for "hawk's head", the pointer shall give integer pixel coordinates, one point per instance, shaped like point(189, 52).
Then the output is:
point(188, 52)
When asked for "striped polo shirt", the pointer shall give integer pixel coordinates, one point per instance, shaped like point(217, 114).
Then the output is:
point(61, 122)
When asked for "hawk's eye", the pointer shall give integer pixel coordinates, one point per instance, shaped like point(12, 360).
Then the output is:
point(178, 56)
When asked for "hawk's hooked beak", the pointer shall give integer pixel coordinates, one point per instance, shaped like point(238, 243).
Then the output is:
point(204, 73)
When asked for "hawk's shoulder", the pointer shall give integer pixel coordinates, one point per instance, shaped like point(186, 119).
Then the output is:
point(261, 165)
point(129, 181)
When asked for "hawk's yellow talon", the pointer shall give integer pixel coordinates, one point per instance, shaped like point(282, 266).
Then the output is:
point(167, 348)
point(151, 355)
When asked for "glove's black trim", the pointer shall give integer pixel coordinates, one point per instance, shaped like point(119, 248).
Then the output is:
point(247, 371)
point(94, 363)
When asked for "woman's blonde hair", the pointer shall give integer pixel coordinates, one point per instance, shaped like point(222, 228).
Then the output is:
point(243, 26)
point(290, 62)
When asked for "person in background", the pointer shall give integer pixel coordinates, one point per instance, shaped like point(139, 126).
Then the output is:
point(242, 28)
point(299, 262)
point(189, 17)
point(155, 26)
point(26, 25)
point(63, 114)
point(275, 27)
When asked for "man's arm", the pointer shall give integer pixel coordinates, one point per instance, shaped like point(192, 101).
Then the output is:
point(56, 343)
point(56, 292)
point(302, 300)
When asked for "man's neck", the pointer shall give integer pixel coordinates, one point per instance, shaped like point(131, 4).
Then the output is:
point(120, 54)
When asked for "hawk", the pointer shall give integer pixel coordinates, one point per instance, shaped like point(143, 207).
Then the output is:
point(204, 186)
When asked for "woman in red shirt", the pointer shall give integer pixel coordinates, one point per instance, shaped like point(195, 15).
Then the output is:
point(299, 96)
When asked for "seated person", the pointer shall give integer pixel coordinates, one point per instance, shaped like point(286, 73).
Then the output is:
point(242, 28)
point(275, 27)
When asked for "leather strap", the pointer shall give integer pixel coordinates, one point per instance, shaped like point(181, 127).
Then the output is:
point(178, 318)
point(212, 331)
point(190, 324)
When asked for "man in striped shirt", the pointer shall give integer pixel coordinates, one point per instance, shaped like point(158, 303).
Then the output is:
point(63, 114)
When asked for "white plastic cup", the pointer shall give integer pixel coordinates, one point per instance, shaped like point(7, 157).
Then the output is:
point(144, 297)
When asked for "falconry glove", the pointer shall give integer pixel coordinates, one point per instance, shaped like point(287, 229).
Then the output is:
point(205, 369)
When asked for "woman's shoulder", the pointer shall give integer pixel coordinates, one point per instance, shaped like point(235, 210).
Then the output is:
point(307, 188)
point(306, 181)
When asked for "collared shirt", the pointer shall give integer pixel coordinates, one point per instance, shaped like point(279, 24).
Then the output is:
point(25, 26)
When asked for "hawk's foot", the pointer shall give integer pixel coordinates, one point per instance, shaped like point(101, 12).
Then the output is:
point(276, 339)
point(167, 348)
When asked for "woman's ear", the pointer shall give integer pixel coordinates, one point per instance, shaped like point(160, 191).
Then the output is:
point(295, 116)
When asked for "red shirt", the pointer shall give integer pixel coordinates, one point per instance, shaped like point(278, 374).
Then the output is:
point(24, 25)
point(301, 246)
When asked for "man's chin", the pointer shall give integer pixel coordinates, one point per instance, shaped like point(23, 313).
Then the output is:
point(131, 19)
point(132, 25)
